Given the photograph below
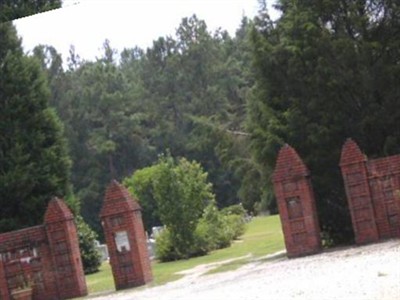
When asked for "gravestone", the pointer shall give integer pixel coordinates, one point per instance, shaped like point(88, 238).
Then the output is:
point(296, 204)
point(125, 238)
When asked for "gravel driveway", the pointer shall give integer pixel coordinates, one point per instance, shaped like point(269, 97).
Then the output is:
point(365, 272)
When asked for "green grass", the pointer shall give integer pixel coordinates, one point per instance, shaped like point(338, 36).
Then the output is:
point(263, 236)
point(102, 280)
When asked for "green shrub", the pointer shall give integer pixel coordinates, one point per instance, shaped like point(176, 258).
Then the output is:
point(217, 227)
point(236, 225)
point(203, 239)
point(166, 251)
point(215, 230)
point(91, 259)
point(236, 209)
point(181, 191)
point(164, 247)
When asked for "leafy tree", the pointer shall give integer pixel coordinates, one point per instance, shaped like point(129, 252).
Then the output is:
point(34, 163)
point(182, 192)
point(195, 235)
point(326, 71)
point(14, 9)
point(140, 184)
point(195, 90)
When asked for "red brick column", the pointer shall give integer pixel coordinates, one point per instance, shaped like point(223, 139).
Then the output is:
point(355, 176)
point(296, 204)
point(125, 237)
point(4, 293)
point(64, 248)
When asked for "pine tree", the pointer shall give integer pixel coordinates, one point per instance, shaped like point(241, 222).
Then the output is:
point(14, 9)
point(34, 163)
point(327, 70)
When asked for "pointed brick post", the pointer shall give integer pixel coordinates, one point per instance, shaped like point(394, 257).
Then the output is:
point(64, 247)
point(125, 237)
point(4, 292)
point(355, 176)
point(296, 204)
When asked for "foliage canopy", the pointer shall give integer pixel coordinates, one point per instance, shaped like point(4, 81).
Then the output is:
point(326, 71)
point(34, 163)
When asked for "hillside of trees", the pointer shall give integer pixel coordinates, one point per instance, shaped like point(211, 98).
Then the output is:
point(322, 72)
point(186, 95)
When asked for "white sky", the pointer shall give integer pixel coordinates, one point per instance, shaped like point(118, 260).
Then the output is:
point(126, 23)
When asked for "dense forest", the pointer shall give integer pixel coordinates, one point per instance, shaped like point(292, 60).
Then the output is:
point(322, 72)
point(186, 95)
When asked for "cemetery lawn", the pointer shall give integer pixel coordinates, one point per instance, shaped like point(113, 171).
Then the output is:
point(263, 236)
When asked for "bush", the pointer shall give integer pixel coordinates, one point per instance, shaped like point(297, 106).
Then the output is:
point(166, 251)
point(236, 209)
point(236, 225)
point(203, 239)
point(181, 191)
point(164, 247)
point(215, 230)
point(91, 259)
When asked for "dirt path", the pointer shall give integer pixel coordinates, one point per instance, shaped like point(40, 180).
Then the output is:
point(367, 272)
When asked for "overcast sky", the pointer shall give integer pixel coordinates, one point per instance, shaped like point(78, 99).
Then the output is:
point(126, 23)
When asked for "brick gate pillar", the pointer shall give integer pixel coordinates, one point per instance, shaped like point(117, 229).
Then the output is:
point(355, 177)
point(296, 204)
point(4, 293)
point(125, 237)
point(64, 248)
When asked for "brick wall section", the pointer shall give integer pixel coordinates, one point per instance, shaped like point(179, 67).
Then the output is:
point(384, 181)
point(29, 253)
point(296, 204)
point(64, 246)
point(125, 238)
point(4, 293)
point(370, 189)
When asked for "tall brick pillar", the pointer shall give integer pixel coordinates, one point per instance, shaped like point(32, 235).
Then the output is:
point(355, 177)
point(296, 204)
point(4, 293)
point(64, 247)
point(125, 237)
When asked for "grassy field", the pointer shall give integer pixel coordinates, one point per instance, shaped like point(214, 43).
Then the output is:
point(263, 236)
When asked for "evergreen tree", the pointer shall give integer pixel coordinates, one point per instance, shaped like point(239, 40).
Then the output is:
point(34, 163)
point(186, 93)
point(326, 71)
point(14, 9)
point(103, 117)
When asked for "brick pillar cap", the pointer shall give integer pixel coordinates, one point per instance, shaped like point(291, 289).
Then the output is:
point(57, 211)
point(289, 164)
point(117, 200)
point(351, 153)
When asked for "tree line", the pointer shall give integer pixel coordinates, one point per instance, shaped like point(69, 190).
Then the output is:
point(186, 94)
point(321, 72)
